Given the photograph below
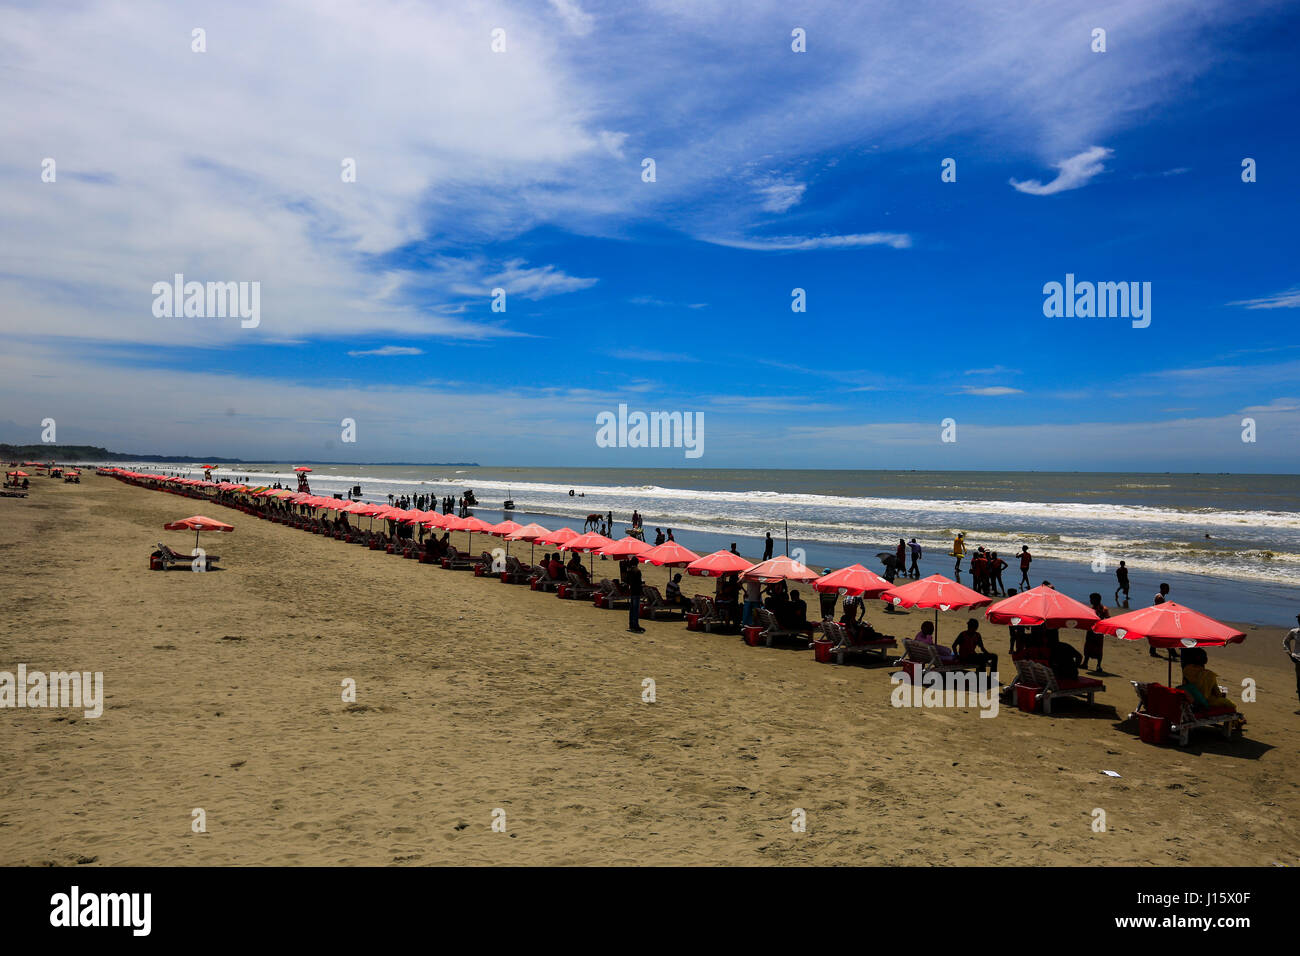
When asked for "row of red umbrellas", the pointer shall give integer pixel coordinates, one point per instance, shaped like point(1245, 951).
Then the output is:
point(1168, 625)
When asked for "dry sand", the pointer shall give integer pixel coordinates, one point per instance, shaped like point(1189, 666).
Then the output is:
point(224, 692)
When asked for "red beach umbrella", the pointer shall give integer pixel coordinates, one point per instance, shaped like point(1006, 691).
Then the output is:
point(855, 580)
point(937, 592)
point(627, 547)
point(669, 554)
point(590, 542)
point(557, 537)
point(783, 568)
point(529, 533)
point(1170, 625)
point(197, 523)
point(717, 564)
point(302, 468)
point(504, 528)
point(1043, 605)
point(472, 524)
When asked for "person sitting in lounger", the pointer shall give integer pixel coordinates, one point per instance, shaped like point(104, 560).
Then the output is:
point(796, 613)
point(926, 636)
point(555, 569)
point(1062, 658)
point(1201, 683)
point(970, 650)
point(673, 592)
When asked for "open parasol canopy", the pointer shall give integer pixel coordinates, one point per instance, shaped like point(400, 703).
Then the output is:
point(938, 592)
point(669, 554)
point(1042, 605)
point(591, 542)
point(854, 580)
point(1170, 625)
point(197, 523)
point(717, 564)
point(783, 568)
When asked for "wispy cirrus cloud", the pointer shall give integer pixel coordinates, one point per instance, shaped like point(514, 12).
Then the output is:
point(895, 240)
point(387, 350)
point(1073, 173)
point(1290, 299)
point(991, 390)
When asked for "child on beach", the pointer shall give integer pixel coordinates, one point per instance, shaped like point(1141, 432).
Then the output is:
point(958, 549)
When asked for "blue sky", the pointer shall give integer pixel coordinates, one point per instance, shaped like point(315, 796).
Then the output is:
point(775, 170)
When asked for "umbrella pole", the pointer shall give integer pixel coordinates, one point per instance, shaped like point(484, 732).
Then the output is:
point(1170, 660)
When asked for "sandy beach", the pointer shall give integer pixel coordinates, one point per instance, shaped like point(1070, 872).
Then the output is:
point(223, 692)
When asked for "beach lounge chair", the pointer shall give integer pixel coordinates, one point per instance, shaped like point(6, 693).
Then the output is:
point(1034, 675)
point(576, 589)
point(541, 580)
point(844, 644)
point(655, 607)
point(1175, 707)
point(702, 611)
point(516, 571)
point(610, 594)
point(773, 631)
point(927, 656)
point(459, 560)
point(169, 557)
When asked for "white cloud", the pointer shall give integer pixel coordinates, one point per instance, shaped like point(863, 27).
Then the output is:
point(578, 22)
point(1075, 172)
point(895, 240)
point(387, 350)
point(1278, 300)
point(780, 196)
point(991, 390)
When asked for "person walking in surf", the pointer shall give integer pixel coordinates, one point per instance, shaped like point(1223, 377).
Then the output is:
point(959, 549)
point(1025, 560)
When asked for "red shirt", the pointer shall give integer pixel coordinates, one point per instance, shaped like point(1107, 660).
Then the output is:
point(1025, 558)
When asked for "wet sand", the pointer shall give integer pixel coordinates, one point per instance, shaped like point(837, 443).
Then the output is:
point(223, 692)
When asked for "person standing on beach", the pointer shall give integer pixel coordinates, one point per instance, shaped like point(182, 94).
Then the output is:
point(659, 537)
point(996, 567)
point(1093, 643)
point(914, 570)
point(1291, 644)
point(767, 547)
point(633, 580)
point(1121, 575)
point(1025, 560)
point(753, 599)
point(827, 601)
point(959, 549)
point(733, 549)
point(900, 555)
point(1161, 597)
